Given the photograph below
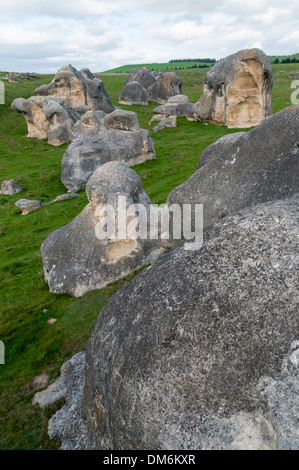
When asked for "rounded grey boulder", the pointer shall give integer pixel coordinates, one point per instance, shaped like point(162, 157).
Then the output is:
point(81, 256)
point(192, 353)
point(133, 93)
point(10, 188)
point(143, 76)
point(245, 169)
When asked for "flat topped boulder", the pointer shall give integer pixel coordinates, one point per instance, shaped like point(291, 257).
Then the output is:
point(28, 205)
point(79, 88)
point(77, 259)
point(237, 90)
point(201, 350)
point(117, 136)
point(122, 120)
point(178, 106)
point(245, 169)
point(89, 124)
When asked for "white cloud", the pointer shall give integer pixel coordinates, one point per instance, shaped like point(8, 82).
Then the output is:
point(43, 36)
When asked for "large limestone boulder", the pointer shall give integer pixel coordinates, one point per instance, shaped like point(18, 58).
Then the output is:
point(245, 169)
point(143, 76)
point(117, 136)
point(47, 118)
point(237, 90)
point(133, 93)
point(79, 88)
point(201, 350)
point(77, 259)
point(167, 84)
point(142, 85)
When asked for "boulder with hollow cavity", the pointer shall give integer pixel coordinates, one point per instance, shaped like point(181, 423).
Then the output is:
point(78, 88)
point(237, 90)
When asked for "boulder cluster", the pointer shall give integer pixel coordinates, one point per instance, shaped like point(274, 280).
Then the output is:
point(236, 93)
point(201, 349)
point(143, 86)
point(76, 108)
point(57, 106)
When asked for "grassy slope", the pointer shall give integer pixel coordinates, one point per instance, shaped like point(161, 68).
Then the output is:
point(32, 345)
point(272, 58)
point(158, 66)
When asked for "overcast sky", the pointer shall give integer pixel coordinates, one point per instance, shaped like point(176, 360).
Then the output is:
point(40, 36)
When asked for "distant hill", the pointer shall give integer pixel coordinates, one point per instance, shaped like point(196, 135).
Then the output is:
point(164, 67)
point(284, 58)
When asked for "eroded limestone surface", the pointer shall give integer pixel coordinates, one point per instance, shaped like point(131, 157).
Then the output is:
point(237, 90)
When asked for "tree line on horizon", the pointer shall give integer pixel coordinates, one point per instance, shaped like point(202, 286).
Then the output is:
point(210, 61)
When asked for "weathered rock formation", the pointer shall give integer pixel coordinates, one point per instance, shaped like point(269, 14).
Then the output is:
point(201, 350)
point(237, 90)
point(116, 137)
point(47, 118)
point(10, 188)
point(28, 205)
point(221, 145)
point(178, 106)
point(77, 259)
point(143, 85)
point(294, 75)
point(133, 93)
point(167, 84)
point(79, 88)
point(165, 121)
point(245, 169)
point(11, 77)
point(70, 372)
point(59, 105)
point(89, 124)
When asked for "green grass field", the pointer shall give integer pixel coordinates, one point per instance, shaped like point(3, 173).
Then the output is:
point(33, 346)
point(166, 66)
